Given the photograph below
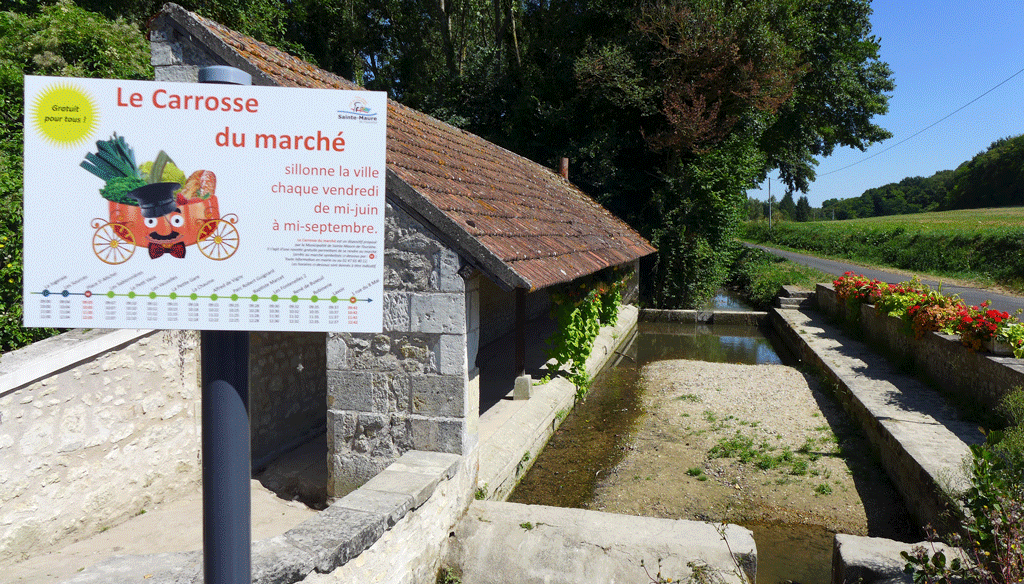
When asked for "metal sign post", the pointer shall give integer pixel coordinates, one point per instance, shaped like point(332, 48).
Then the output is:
point(227, 465)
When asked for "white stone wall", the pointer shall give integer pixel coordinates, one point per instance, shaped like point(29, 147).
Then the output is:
point(94, 429)
point(412, 550)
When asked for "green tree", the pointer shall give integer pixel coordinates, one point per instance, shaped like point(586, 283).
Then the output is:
point(60, 40)
point(787, 207)
point(842, 85)
point(994, 178)
point(802, 211)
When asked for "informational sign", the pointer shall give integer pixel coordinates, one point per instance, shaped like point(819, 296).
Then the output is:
point(203, 206)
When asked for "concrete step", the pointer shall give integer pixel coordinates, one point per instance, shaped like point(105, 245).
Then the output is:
point(795, 292)
point(791, 303)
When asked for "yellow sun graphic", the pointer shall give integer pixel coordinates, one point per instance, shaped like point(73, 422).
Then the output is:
point(65, 115)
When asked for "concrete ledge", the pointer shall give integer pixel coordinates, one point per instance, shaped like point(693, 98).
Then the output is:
point(512, 433)
point(919, 438)
point(747, 318)
point(977, 377)
point(509, 543)
point(874, 560)
point(41, 359)
point(332, 538)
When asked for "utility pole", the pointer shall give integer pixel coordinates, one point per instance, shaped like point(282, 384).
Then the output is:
point(769, 204)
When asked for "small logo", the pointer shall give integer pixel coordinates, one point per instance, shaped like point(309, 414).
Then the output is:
point(360, 110)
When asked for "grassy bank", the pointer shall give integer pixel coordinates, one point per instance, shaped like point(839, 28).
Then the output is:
point(975, 244)
point(758, 275)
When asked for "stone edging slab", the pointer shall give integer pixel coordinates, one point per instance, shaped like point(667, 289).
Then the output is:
point(322, 543)
point(920, 439)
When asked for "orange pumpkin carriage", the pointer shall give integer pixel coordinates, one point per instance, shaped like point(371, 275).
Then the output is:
point(163, 216)
point(215, 237)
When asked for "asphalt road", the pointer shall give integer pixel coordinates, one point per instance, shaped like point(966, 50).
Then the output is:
point(972, 296)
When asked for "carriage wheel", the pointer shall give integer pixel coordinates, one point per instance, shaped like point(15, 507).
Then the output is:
point(113, 243)
point(217, 239)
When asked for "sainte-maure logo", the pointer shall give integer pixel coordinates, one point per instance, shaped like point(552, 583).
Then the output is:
point(359, 110)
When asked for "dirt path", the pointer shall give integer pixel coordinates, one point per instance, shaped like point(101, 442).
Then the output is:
point(748, 444)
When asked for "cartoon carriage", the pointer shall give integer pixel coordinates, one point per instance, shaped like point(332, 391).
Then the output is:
point(154, 206)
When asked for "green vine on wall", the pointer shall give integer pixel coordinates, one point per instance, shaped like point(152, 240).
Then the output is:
point(580, 309)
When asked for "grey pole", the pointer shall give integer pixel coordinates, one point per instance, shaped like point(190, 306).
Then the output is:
point(227, 467)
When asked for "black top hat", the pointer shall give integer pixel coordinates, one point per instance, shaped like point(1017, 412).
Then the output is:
point(157, 199)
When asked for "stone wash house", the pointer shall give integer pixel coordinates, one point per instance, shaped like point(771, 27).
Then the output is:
point(475, 234)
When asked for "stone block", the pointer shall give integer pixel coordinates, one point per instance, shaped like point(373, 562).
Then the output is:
point(437, 434)
point(177, 73)
point(408, 269)
point(336, 535)
point(452, 354)
point(393, 506)
point(874, 559)
point(565, 546)
point(360, 391)
point(417, 485)
point(437, 313)
point(396, 311)
point(276, 560)
point(429, 463)
point(438, 395)
point(523, 388)
point(163, 54)
point(448, 278)
point(349, 470)
point(337, 351)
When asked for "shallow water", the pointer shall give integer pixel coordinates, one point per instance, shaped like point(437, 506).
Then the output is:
point(592, 439)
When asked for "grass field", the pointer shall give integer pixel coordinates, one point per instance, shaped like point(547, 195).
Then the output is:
point(989, 221)
point(985, 245)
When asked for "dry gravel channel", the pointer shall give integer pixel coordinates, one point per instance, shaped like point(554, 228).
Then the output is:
point(765, 446)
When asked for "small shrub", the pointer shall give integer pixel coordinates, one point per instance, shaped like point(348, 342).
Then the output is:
point(993, 551)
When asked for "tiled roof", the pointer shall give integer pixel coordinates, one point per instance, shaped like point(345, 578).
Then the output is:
point(517, 220)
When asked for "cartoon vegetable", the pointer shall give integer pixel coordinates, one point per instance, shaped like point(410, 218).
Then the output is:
point(200, 185)
point(114, 162)
point(162, 169)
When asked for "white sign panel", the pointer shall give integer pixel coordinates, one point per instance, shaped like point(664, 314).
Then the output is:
point(202, 206)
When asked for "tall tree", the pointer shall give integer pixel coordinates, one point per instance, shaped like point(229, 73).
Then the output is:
point(994, 178)
point(842, 86)
point(62, 40)
point(802, 212)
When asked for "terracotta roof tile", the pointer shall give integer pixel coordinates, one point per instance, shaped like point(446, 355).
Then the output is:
point(536, 227)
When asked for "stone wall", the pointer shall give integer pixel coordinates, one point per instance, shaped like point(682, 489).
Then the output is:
point(287, 391)
point(95, 427)
point(407, 387)
point(974, 377)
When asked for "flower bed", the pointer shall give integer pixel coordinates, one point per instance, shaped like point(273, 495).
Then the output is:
point(975, 375)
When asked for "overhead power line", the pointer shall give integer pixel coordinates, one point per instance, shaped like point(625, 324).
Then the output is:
point(929, 126)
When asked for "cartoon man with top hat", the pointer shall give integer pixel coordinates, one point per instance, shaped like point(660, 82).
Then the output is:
point(164, 221)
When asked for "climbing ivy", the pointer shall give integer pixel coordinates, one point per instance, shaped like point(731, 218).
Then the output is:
point(580, 309)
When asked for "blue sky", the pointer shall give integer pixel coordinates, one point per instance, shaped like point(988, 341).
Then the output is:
point(943, 54)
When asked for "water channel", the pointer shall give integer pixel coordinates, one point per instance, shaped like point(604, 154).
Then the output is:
point(596, 436)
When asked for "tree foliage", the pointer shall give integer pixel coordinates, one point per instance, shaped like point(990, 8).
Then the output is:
point(994, 178)
point(668, 109)
point(61, 40)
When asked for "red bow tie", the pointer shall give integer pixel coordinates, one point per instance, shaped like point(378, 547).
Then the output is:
point(177, 250)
